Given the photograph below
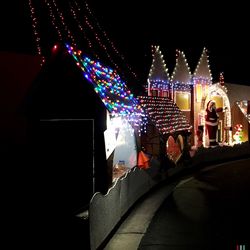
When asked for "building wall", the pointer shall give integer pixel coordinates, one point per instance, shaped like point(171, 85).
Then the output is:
point(237, 92)
point(151, 141)
point(61, 93)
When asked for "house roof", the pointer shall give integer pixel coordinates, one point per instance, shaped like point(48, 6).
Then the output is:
point(162, 111)
point(237, 92)
point(181, 73)
point(240, 95)
point(243, 106)
point(158, 70)
point(112, 90)
point(202, 70)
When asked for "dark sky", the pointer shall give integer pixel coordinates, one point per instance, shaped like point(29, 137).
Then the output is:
point(134, 26)
point(188, 26)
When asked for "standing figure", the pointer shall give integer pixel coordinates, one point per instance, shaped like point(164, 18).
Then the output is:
point(211, 121)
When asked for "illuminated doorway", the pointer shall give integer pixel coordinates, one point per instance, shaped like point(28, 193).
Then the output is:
point(218, 93)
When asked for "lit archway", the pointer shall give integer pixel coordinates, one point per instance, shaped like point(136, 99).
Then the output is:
point(219, 93)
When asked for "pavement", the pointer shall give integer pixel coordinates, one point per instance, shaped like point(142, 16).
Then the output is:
point(130, 233)
point(209, 211)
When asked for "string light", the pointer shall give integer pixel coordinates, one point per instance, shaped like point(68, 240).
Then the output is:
point(181, 73)
point(111, 89)
point(165, 114)
point(158, 75)
point(107, 39)
point(75, 11)
point(238, 133)
point(221, 80)
point(243, 106)
point(100, 42)
point(66, 21)
point(69, 34)
point(35, 31)
point(53, 19)
point(203, 68)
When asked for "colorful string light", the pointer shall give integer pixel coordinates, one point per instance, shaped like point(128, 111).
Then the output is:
point(111, 89)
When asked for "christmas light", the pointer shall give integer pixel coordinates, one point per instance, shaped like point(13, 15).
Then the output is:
point(74, 22)
point(221, 79)
point(103, 38)
point(202, 71)
point(238, 133)
point(181, 73)
point(75, 12)
point(111, 89)
point(221, 91)
point(69, 34)
point(165, 114)
point(158, 76)
point(243, 106)
point(35, 32)
point(53, 19)
point(180, 86)
point(100, 43)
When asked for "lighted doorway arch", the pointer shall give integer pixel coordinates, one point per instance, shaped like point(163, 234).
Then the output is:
point(216, 90)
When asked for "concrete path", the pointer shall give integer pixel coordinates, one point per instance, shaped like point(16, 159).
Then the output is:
point(209, 211)
point(131, 231)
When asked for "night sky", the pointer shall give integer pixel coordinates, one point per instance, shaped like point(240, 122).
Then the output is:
point(134, 26)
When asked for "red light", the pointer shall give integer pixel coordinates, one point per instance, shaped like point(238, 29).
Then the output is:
point(55, 47)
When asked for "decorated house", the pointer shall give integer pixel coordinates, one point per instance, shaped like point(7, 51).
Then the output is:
point(168, 129)
point(205, 91)
point(192, 93)
point(85, 131)
point(239, 96)
point(86, 124)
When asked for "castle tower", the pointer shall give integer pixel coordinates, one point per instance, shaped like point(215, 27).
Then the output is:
point(158, 79)
point(181, 81)
point(202, 80)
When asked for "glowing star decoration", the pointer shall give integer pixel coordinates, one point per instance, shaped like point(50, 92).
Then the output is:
point(238, 133)
point(114, 93)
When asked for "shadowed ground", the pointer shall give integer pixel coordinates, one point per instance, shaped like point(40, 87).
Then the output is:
point(208, 211)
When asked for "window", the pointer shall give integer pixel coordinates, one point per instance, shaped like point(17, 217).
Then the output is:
point(198, 92)
point(183, 100)
point(218, 101)
point(165, 93)
point(154, 92)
